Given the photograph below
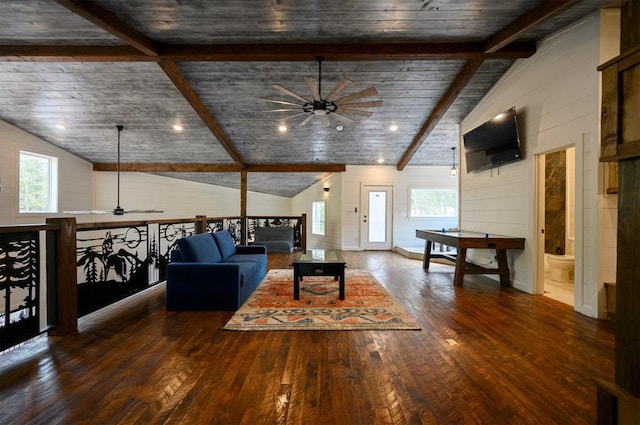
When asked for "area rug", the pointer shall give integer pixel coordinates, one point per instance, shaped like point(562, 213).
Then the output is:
point(367, 305)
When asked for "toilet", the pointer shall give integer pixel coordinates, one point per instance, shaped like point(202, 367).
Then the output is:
point(560, 267)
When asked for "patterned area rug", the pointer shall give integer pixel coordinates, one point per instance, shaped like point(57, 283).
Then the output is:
point(366, 305)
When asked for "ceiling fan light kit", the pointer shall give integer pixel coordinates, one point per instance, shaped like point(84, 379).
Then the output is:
point(326, 107)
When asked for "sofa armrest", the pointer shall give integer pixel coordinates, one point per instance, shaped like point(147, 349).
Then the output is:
point(251, 249)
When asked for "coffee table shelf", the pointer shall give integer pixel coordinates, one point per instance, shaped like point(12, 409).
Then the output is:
point(318, 262)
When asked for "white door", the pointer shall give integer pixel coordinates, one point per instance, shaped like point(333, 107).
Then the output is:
point(376, 206)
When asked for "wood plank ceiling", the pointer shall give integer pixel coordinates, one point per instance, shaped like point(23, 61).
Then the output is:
point(150, 64)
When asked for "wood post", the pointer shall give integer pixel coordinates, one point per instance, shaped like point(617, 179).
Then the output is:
point(62, 271)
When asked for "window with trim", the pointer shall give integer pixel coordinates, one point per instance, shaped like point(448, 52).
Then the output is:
point(317, 218)
point(38, 183)
point(433, 202)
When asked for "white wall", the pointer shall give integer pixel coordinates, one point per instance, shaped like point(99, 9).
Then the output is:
point(179, 198)
point(301, 204)
point(75, 176)
point(404, 228)
point(556, 94)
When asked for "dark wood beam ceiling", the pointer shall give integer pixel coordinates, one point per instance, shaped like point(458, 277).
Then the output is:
point(109, 22)
point(526, 22)
point(220, 168)
point(500, 45)
point(183, 86)
point(444, 103)
point(290, 52)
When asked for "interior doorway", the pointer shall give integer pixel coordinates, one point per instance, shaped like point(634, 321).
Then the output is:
point(377, 221)
point(556, 218)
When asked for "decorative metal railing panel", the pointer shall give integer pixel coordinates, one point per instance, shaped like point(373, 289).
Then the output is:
point(115, 263)
point(169, 235)
point(19, 287)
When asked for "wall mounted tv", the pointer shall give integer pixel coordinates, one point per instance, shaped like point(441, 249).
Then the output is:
point(493, 143)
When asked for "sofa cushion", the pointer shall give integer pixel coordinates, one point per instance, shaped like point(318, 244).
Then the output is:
point(260, 260)
point(225, 243)
point(199, 248)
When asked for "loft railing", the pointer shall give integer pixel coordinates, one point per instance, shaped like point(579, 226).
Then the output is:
point(52, 274)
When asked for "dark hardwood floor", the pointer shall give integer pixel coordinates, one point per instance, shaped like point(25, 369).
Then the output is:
point(485, 354)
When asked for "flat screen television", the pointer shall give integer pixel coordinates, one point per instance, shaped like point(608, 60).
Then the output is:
point(493, 143)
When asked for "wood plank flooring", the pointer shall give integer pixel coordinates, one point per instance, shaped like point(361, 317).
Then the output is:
point(485, 354)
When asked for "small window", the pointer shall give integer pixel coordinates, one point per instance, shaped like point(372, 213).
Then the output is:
point(317, 218)
point(433, 202)
point(38, 183)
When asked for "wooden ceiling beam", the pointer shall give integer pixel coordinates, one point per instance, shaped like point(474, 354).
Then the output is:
point(308, 52)
point(109, 22)
point(156, 167)
point(53, 53)
point(265, 52)
point(441, 108)
point(526, 22)
point(183, 86)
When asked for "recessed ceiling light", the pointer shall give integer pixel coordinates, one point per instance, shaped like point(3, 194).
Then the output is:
point(393, 127)
point(178, 127)
point(339, 127)
point(61, 126)
point(282, 128)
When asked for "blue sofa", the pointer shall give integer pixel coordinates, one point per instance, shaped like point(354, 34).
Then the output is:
point(209, 272)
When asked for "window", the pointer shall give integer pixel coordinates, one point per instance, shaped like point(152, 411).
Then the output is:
point(433, 202)
point(317, 218)
point(38, 183)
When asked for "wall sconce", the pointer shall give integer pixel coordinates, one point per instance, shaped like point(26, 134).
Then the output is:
point(453, 171)
point(326, 189)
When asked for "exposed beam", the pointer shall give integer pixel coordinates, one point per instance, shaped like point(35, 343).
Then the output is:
point(308, 52)
point(155, 167)
point(52, 53)
point(297, 168)
point(265, 52)
point(174, 74)
point(445, 101)
point(145, 167)
point(524, 23)
point(109, 22)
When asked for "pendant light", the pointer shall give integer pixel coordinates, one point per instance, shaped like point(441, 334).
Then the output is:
point(453, 171)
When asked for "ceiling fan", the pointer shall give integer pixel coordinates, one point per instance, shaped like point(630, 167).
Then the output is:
point(118, 210)
point(323, 107)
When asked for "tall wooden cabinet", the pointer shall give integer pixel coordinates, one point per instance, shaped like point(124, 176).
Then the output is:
point(619, 402)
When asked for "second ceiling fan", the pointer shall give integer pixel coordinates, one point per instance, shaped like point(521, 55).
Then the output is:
point(323, 107)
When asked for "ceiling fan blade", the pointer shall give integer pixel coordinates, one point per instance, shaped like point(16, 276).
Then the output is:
point(281, 102)
point(280, 110)
point(143, 211)
point(339, 88)
point(306, 120)
point(74, 212)
point(371, 91)
point(356, 112)
point(371, 104)
point(292, 116)
point(325, 120)
point(290, 93)
point(342, 118)
point(312, 83)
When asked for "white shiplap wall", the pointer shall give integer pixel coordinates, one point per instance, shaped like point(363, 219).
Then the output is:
point(556, 93)
point(302, 204)
point(180, 198)
point(404, 229)
point(75, 176)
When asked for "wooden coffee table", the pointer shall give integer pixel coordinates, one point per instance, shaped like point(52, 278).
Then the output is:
point(318, 262)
